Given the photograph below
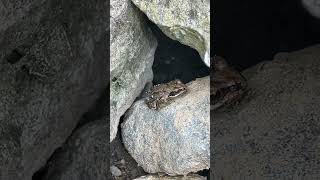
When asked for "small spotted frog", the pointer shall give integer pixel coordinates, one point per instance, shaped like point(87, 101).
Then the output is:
point(163, 94)
point(227, 84)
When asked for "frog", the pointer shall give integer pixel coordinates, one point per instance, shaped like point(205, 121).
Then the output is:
point(227, 85)
point(161, 95)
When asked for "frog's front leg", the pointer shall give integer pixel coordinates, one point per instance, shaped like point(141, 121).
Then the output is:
point(217, 99)
point(224, 99)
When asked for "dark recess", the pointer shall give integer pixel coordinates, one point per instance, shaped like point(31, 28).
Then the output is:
point(174, 60)
point(205, 172)
point(248, 32)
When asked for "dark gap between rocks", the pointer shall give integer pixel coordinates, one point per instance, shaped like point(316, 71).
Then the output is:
point(118, 152)
point(173, 60)
point(99, 110)
point(248, 32)
point(96, 112)
point(205, 172)
point(40, 174)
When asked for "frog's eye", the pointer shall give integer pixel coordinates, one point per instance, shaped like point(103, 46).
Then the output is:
point(175, 93)
point(234, 88)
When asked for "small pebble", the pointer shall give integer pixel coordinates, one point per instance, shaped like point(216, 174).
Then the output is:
point(115, 171)
point(123, 161)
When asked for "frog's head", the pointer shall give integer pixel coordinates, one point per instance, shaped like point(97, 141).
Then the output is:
point(178, 88)
point(225, 78)
point(219, 63)
point(234, 81)
point(152, 105)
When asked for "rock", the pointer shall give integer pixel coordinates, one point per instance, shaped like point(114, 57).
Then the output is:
point(312, 6)
point(53, 68)
point(84, 156)
point(186, 21)
point(174, 140)
point(122, 161)
point(115, 171)
point(156, 177)
point(120, 158)
point(273, 132)
point(132, 52)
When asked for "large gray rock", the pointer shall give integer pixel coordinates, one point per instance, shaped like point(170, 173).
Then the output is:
point(52, 69)
point(187, 21)
point(157, 177)
point(132, 53)
point(174, 140)
point(274, 132)
point(84, 156)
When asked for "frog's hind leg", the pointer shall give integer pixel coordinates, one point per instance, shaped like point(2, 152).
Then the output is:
point(226, 100)
point(217, 101)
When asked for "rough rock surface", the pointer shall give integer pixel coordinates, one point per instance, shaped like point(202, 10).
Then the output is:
point(52, 69)
point(12, 12)
point(120, 158)
point(174, 140)
point(84, 156)
point(187, 21)
point(156, 177)
point(274, 132)
point(132, 53)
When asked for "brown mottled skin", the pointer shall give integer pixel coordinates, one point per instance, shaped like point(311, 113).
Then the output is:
point(163, 94)
point(227, 85)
